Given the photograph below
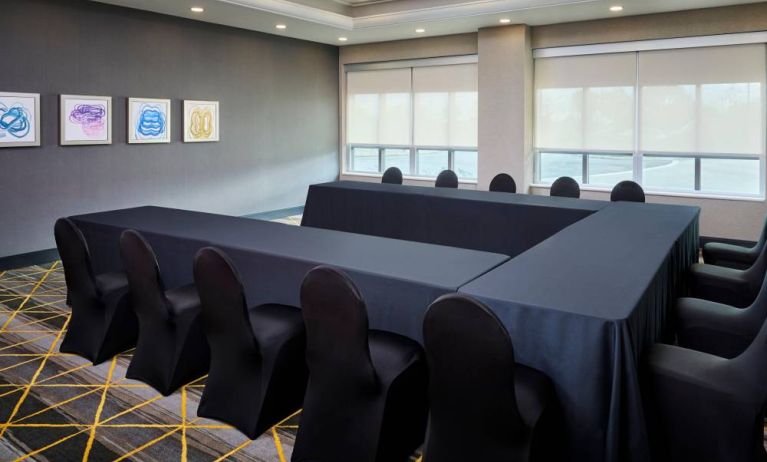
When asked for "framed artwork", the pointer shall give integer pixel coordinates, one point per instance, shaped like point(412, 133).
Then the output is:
point(86, 120)
point(200, 121)
point(19, 119)
point(148, 120)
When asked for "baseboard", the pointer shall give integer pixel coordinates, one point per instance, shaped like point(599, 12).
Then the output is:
point(706, 239)
point(277, 214)
point(28, 259)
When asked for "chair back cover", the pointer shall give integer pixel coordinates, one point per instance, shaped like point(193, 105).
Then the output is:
point(336, 323)
point(503, 182)
point(392, 175)
point(627, 191)
point(565, 186)
point(224, 309)
point(471, 382)
point(75, 257)
point(446, 179)
point(147, 291)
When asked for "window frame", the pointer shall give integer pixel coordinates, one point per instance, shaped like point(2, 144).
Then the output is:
point(347, 164)
point(413, 150)
point(636, 173)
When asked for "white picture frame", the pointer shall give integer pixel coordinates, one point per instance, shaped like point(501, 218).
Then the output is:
point(201, 121)
point(19, 119)
point(149, 120)
point(85, 120)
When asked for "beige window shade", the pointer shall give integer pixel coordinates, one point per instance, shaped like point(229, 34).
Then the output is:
point(585, 102)
point(378, 106)
point(703, 100)
point(445, 111)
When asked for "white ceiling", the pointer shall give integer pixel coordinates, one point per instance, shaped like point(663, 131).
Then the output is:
point(364, 21)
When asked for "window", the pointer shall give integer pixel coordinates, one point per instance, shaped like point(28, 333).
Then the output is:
point(689, 120)
point(421, 119)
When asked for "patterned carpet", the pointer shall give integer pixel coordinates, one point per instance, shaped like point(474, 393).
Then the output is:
point(59, 407)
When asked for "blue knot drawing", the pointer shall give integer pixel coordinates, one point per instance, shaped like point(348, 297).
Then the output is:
point(14, 121)
point(151, 121)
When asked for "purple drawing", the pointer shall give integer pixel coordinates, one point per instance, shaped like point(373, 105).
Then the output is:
point(91, 117)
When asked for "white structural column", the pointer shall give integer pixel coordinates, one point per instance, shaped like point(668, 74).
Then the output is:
point(505, 104)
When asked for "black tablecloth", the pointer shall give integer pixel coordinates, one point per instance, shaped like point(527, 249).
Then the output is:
point(582, 306)
point(398, 279)
point(481, 220)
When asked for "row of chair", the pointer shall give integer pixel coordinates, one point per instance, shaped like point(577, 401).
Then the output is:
point(707, 393)
point(366, 394)
point(565, 186)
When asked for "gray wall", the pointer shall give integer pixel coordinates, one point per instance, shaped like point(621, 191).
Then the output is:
point(279, 115)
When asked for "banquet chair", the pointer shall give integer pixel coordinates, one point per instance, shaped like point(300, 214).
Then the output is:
point(446, 179)
point(627, 191)
point(728, 285)
point(703, 407)
point(366, 397)
point(256, 354)
point(482, 404)
point(171, 349)
point(102, 322)
point(719, 329)
point(503, 182)
point(734, 256)
point(564, 186)
point(392, 175)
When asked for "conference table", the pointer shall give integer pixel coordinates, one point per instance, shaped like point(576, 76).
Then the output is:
point(398, 279)
point(583, 305)
point(581, 299)
point(482, 220)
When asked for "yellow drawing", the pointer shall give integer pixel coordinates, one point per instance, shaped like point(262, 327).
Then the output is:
point(201, 123)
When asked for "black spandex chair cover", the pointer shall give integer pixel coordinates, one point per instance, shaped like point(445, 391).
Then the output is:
point(703, 407)
point(565, 186)
point(102, 322)
point(446, 179)
point(728, 285)
point(503, 182)
point(366, 398)
point(257, 371)
point(627, 191)
point(719, 329)
point(734, 256)
point(483, 406)
point(392, 175)
point(171, 349)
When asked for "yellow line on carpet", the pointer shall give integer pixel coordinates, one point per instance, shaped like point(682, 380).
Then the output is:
point(278, 445)
point(183, 424)
point(44, 448)
point(18, 364)
point(245, 444)
point(92, 436)
point(53, 406)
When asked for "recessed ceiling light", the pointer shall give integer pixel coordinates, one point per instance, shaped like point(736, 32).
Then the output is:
point(420, 31)
point(505, 21)
point(616, 8)
point(342, 39)
point(281, 26)
point(197, 9)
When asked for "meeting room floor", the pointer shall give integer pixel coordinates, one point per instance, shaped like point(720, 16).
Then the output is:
point(56, 406)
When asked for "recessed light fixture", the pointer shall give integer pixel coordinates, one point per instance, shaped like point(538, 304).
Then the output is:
point(616, 8)
point(197, 9)
point(420, 31)
point(342, 39)
point(281, 26)
point(505, 21)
